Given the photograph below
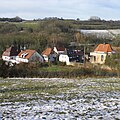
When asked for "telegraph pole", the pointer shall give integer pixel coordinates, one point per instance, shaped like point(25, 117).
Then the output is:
point(84, 60)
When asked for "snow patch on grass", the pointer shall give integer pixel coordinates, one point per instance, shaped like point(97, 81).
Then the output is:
point(56, 98)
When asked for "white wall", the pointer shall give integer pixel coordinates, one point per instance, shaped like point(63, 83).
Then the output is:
point(98, 57)
point(64, 58)
point(5, 58)
point(21, 59)
point(45, 58)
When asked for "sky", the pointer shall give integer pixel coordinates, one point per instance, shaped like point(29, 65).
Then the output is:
point(66, 9)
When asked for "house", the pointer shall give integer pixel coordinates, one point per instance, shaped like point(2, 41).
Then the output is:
point(48, 55)
point(29, 56)
point(9, 55)
point(100, 53)
point(51, 54)
point(72, 55)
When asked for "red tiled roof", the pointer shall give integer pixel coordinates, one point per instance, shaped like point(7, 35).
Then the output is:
point(26, 53)
point(47, 51)
point(103, 48)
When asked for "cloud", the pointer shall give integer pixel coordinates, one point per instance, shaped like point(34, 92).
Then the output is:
point(82, 9)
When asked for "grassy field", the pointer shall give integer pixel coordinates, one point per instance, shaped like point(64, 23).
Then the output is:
point(32, 24)
point(53, 98)
point(27, 89)
point(58, 68)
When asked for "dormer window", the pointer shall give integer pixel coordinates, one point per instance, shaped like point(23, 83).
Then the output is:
point(23, 55)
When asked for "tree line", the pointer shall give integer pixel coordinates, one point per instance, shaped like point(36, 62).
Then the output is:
point(15, 19)
point(48, 32)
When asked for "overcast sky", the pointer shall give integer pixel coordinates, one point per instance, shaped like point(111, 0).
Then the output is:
point(67, 9)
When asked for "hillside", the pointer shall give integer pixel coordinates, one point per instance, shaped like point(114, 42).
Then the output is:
point(38, 34)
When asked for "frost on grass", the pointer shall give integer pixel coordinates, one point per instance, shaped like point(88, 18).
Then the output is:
point(40, 99)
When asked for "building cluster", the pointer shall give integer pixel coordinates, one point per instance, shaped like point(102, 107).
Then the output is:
point(69, 56)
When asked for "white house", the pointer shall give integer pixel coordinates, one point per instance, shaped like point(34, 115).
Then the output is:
point(48, 55)
point(29, 56)
point(9, 55)
point(53, 54)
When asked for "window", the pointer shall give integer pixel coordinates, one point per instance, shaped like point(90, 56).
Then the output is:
point(102, 57)
point(23, 55)
point(94, 58)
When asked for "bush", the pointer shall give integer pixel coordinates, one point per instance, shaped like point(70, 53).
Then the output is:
point(37, 70)
point(3, 69)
